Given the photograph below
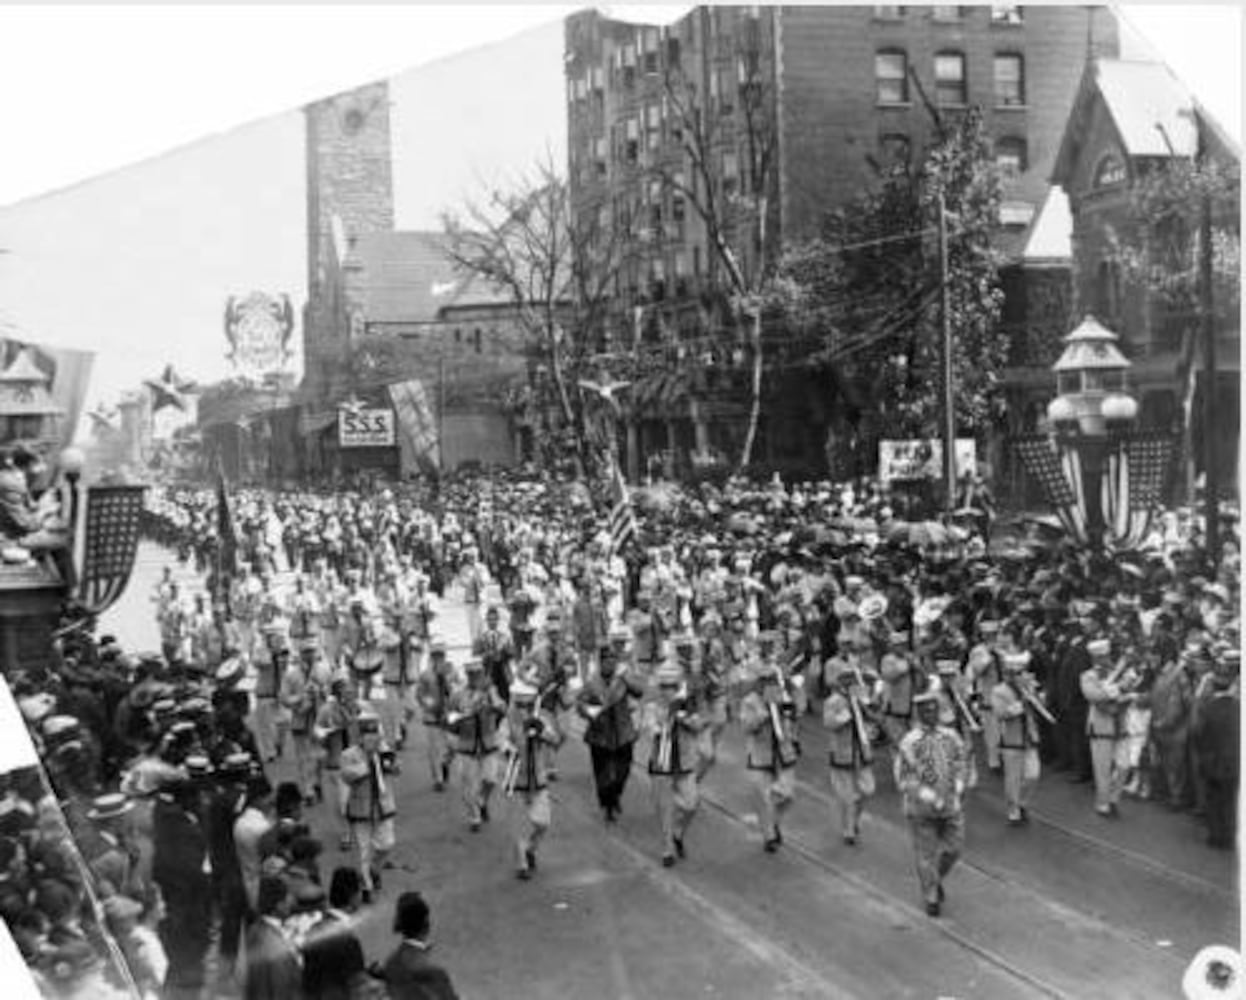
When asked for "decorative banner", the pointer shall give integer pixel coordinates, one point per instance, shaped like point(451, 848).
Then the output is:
point(365, 428)
point(418, 439)
point(258, 329)
point(69, 372)
point(110, 543)
point(1134, 484)
point(923, 459)
point(1043, 462)
point(1151, 458)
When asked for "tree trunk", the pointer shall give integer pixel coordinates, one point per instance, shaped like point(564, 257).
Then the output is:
point(754, 413)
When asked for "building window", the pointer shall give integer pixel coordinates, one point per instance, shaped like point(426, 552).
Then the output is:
point(950, 79)
point(1110, 171)
point(653, 126)
point(888, 12)
point(672, 53)
point(479, 340)
point(947, 13)
point(458, 336)
point(649, 47)
point(1006, 13)
point(632, 148)
point(677, 198)
point(891, 73)
point(896, 149)
point(1108, 291)
point(1009, 80)
point(730, 172)
point(1010, 157)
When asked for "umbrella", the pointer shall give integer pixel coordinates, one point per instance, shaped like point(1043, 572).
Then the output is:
point(918, 533)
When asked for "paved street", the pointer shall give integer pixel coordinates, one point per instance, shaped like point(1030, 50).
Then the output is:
point(1072, 905)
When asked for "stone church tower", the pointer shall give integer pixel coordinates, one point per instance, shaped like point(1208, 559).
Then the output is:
point(349, 191)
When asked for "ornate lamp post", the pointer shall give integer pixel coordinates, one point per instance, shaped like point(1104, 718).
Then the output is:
point(1090, 412)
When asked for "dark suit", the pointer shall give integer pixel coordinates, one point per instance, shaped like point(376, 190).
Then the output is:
point(272, 967)
point(411, 976)
point(1216, 747)
point(332, 957)
point(180, 849)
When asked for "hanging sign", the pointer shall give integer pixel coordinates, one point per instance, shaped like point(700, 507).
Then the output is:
point(365, 428)
point(922, 459)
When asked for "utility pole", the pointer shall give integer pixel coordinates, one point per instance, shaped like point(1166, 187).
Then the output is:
point(949, 395)
point(441, 409)
point(1211, 499)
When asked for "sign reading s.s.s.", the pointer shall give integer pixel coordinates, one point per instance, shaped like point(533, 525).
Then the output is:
point(365, 428)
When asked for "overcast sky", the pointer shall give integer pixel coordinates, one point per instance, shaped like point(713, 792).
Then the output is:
point(137, 263)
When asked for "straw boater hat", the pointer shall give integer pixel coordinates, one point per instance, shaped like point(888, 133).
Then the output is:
point(522, 691)
point(1098, 648)
point(873, 607)
point(1016, 661)
point(105, 807)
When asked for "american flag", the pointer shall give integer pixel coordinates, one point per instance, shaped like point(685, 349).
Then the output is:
point(1059, 477)
point(110, 544)
point(622, 517)
point(1151, 455)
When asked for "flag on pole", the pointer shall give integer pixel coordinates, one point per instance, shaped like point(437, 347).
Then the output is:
point(622, 517)
point(228, 539)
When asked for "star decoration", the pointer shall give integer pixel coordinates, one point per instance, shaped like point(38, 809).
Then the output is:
point(169, 390)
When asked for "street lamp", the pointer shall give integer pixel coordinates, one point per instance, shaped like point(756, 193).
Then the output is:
point(1090, 412)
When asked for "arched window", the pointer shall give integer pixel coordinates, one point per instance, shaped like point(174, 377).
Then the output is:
point(479, 338)
point(1109, 171)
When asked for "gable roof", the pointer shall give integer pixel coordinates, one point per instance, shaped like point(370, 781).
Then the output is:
point(1050, 239)
point(408, 277)
point(1153, 112)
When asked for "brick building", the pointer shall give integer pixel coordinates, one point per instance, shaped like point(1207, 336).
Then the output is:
point(837, 91)
point(386, 307)
point(1129, 119)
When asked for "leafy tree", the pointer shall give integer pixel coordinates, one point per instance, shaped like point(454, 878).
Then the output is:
point(868, 288)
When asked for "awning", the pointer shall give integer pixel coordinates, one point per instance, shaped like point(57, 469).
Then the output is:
point(314, 421)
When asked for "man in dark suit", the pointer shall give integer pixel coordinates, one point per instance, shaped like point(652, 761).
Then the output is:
point(273, 971)
point(332, 955)
point(408, 972)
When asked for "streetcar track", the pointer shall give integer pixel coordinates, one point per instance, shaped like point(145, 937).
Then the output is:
point(879, 894)
point(1152, 865)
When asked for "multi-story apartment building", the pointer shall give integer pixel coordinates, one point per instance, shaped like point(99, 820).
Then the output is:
point(777, 115)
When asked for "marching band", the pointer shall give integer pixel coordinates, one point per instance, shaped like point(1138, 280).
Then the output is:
point(669, 655)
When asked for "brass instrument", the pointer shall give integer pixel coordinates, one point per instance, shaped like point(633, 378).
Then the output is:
point(1028, 695)
point(858, 724)
point(666, 737)
point(967, 714)
point(512, 772)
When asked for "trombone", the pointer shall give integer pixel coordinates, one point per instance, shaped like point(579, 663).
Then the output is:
point(967, 714)
point(1026, 690)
